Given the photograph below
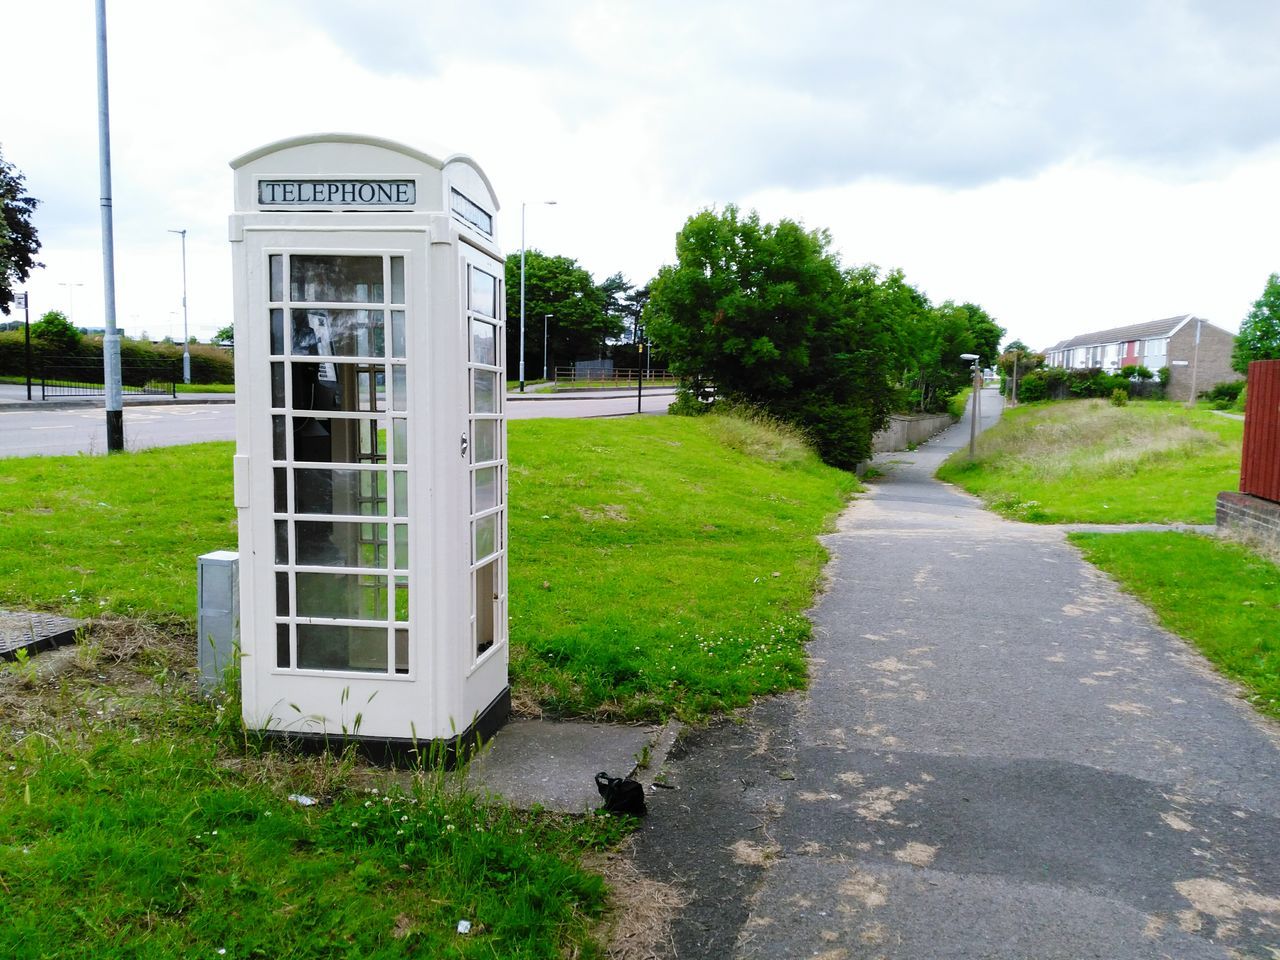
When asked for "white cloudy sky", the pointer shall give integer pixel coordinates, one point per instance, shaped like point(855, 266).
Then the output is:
point(1068, 165)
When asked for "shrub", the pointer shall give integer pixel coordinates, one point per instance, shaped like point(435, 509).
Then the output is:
point(1240, 400)
point(1119, 397)
point(208, 364)
point(56, 330)
point(1226, 391)
point(1163, 376)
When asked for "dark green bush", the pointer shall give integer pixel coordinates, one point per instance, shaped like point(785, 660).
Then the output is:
point(1226, 391)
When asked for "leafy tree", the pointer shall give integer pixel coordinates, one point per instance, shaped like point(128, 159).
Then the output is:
point(55, 330)
point(225, 334)
point(19, 243)
point(765, 312)
point(1259, 337)
point(560, 286)
point(1016, 362)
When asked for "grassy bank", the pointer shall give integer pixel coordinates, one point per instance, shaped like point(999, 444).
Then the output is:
point(1087, 461)
point(1218, 595)
point(658, 565)
point(662, 564)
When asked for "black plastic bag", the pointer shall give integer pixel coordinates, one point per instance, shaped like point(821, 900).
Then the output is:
point(621, 795)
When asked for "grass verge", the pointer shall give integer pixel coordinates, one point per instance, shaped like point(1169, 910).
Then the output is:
point(205, 387)
point(137, 821)
point(1086, 461)
point(1222, 597)
point(659, 565)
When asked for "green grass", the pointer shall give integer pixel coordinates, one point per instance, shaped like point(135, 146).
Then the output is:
point(136, 821)
point(658, 566)
point(86, 535)
point(1222, 597)
point(1085, 461)
point(206, 387)
point(662, 565)
point(567, 385)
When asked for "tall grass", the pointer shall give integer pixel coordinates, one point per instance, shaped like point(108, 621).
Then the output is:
point(1089, 461)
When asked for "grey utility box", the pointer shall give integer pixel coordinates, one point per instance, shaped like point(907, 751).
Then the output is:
point(218, 615)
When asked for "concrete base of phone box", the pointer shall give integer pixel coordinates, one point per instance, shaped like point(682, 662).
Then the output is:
point(404, 751)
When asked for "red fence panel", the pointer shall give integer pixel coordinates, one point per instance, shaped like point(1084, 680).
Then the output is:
point(1260, 462)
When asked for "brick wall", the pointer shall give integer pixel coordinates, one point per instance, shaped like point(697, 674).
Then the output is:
point(1252, 516)
point(1213, 365)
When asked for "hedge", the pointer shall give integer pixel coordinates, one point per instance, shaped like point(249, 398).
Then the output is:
point(208, 364)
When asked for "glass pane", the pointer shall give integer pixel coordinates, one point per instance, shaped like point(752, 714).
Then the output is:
point(277, 384)
point(486, 489)
point(326, 647)
point(355, 492)
point(282, 646)
point(336, 386)
point(397, 279)
point(402, 651)
point(484, 441)
point(282, 594)
point(485, 601)
point(315, 279)
point(329, 440)
point(399, 389)
point(282, 541)
point(281, 488)
point(397, 334)
point(486, 537)
point(400, 441)
point(402, 494)
point(485, 392)
point(277, 438)
point(402, 547)
point(484, 339)
point(484, 293)
point(276, 269)
point(277, 332)
point(402, 599)
point(341, 543)
point(338, 333)
point(349, 596)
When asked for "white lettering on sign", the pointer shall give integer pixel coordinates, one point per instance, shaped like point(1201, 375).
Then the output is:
point(345, 193)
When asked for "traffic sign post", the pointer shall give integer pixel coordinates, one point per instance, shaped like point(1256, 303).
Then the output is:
point(20, 300)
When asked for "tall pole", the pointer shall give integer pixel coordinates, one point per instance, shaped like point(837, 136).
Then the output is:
point(1195, 366)
point(523, 204)
point(186, 352)
point(24, 301)
point(545, 318)
point(71, 299)
point(110, 339)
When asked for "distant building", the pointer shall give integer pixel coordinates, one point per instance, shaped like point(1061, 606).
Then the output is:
point(1158, 343)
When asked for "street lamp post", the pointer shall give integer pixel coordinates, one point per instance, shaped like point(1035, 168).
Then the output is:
point(977, 389)
point(545, 318)
point(71, 299)
point(186, 352)
point(523, 204)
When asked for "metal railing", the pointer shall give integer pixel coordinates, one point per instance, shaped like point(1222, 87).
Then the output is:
point(618, 375)
point(83, 378)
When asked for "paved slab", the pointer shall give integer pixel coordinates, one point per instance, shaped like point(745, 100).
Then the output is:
point(1000, 756)
point(553, 765)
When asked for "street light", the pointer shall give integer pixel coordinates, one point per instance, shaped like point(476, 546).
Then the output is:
point(545, 318)
point(71, 299)
point(977, 389)
point(523, 204)
point(186, 352)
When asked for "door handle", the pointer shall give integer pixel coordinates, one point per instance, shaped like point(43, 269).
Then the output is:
point(466, 445)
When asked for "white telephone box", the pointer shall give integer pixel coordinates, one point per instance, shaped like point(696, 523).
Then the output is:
point(370, 467)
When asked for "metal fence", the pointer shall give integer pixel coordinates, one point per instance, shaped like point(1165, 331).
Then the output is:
point(620, 375)
point(83, 378)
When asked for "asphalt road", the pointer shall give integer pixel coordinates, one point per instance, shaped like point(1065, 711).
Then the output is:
point(83, 429)
point(999, 756)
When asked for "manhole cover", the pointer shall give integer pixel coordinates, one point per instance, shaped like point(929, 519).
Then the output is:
point(33, 632)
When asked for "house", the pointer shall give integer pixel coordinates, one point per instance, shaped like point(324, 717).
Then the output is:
point(1191, 347)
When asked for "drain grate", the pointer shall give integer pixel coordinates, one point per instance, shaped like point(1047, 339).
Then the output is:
point(33, 632)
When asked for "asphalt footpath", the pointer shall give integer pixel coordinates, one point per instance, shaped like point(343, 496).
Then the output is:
point(1000, 756)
